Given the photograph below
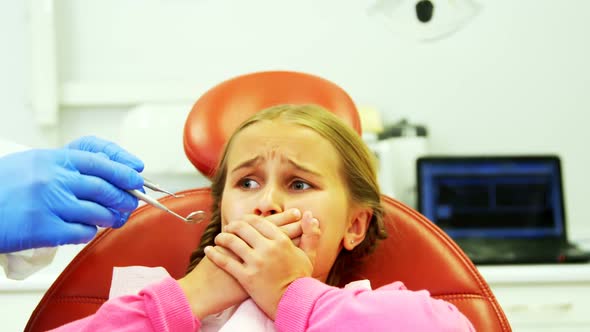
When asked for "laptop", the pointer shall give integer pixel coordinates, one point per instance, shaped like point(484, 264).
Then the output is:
point(499, 209)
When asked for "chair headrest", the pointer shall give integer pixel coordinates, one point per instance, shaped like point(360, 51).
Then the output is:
point(219, 112)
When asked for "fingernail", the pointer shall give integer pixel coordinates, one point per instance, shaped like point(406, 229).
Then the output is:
point(207, 249)
point(123, 219)
point(296, 213)
point(316, 222)
point(118, 219)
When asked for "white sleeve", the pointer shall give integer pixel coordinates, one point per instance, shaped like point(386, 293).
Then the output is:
point(7, 147)
point(21, 264)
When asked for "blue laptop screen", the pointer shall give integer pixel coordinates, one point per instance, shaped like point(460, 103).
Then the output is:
point(492, 198)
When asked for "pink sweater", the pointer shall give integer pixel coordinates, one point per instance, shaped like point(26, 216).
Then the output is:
point(307, 305)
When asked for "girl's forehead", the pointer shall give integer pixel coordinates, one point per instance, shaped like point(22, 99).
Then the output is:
point(278, 128)
point(278, 136)
point(277, 140)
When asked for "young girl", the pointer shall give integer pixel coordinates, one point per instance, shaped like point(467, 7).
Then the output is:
point(284, 160)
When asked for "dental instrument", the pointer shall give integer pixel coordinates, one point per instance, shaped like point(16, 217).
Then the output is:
point(194, 217)
point(155, 187)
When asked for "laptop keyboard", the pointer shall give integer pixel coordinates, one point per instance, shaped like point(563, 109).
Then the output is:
point(517, 251)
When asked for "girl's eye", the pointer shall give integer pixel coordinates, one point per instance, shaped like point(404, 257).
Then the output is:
point(300, 185)
point(249, 184)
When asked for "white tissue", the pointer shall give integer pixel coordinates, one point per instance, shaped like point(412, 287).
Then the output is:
point(129, 280)
point(21, 264)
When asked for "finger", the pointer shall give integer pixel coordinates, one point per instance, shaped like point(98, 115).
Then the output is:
point(227, 252)
point(112, 150)
point(225, 262)
point(311, 236)
point(120, 155)
point(115, 173)
point(103, 155)
point(235, 244)
point(91, 188)
point(77, 233)
point(287, 217)
point(292, 230)
point(120, 218)
point(260, 225)
point(89, 213)
point(64, 233)
point(124, 216)
point(246, 232)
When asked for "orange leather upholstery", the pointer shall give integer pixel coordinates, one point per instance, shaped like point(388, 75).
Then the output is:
point(219, 111)
point(417, 252)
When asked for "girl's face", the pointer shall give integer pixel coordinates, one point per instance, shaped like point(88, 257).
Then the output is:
point(273, 166)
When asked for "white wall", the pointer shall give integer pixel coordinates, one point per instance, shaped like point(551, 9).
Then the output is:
point(16, 118)
point(514, 80)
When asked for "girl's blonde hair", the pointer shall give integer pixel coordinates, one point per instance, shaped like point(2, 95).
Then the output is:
point(358, 171)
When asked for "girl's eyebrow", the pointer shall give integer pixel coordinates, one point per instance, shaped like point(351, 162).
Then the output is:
point(303, 168)
point(247, 163)
point(253, 161)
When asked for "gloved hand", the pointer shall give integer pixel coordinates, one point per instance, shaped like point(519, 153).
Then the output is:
point(54, 197)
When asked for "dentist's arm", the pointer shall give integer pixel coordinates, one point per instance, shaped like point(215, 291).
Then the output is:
point(60, 196)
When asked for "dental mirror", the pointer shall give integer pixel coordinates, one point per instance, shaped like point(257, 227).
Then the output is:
point(196, 217)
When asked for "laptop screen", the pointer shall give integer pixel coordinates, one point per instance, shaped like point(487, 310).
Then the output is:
point(492, 197)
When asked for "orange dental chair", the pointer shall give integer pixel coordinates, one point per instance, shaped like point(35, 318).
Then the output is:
point(417, 252)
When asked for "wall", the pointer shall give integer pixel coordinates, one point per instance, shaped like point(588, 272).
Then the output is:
point(513, 80)
point(16, 117)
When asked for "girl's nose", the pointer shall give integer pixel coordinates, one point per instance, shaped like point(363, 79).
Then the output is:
point(270, 203)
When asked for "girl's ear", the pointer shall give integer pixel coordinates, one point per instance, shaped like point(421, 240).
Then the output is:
point(357, 229)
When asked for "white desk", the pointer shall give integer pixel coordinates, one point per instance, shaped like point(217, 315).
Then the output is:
point(18, 298)
point(542, 297)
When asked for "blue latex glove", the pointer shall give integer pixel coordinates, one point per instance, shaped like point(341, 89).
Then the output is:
point(54, 197)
